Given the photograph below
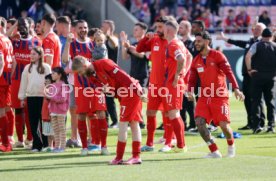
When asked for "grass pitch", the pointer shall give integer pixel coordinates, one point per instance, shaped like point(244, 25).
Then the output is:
point(255, 160)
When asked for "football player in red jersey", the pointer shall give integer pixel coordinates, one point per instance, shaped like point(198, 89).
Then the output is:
point(83, 46)
point(212, 68)
point(6, 63)
point(177, 65)
point(106, 73)
point(22, 49)
point(50, 43)
point(156, 44)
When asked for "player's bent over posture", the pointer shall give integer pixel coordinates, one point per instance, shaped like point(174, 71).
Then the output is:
point(212, 68)
point(109, 75)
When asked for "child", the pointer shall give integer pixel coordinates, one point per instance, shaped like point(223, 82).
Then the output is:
point(46, 121)
point(100, 50)
point(58, 107)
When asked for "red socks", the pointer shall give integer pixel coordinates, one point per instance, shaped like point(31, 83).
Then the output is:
point(178, 128)
point(151, 126)
point(120, 150)
point(83, 132)
point(103, 127)
point(19, 124)
point(170, 132)
point(136, 149)
point(213, 147)
point(165, 124)
point(230, 142)
point(28, 126)
point(4, 131)
point(11, 122)
point(95, 131)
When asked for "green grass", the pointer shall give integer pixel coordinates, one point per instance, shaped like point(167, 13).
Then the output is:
point(255, 160)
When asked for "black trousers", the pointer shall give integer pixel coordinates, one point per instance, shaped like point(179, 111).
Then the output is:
point(246, 87)
point(189, 107)
point(263, 84)
point(111, 109)
point(34, 109)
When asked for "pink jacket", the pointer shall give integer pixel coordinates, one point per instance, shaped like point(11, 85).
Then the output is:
point(59, 100)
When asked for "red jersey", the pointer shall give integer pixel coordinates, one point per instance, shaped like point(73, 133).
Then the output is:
point(84, 49)
point(22, 50)
point(157, 47)
point(174, 49)
point(108, 72)
point(52, 47)
point(81, 48)
point(212, 72)
point(6, 50)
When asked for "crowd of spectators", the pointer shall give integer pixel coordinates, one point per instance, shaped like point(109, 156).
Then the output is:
point(236, 20)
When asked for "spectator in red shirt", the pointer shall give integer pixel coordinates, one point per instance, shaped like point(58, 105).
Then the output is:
point(230, 22)
point(242, 21)
point(205, 18)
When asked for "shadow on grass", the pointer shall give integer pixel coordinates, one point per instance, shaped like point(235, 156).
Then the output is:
point(83, 164)
point(50, 156)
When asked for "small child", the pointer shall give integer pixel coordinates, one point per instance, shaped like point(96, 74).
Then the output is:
point(46, 121)
point(58, 107)
point(100, 50)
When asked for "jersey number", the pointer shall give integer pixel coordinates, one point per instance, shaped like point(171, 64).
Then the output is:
point(224, 110)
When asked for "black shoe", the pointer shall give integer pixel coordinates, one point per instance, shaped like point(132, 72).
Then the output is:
point(257, 130)
point(270, 130)
point(113, 125)
point(142, 125)
point(160, 127)
point(246, 127)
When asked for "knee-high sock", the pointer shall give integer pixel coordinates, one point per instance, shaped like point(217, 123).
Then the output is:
point(170, 132)
point(103, 131)
point(83, 132)
point(178, 128)
point(19, 125)
point(4, 131)
point(95, 131)
point(136, 149)
point(151, 126)
point(120, 150)
point(11, 122)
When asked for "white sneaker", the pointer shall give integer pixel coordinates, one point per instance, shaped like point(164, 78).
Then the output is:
point(231, 151)
point(34, 150)
point(104, 151)
point(215, 154)
point(165, 149)
point(174, 141)
point(160, 141)
point(28, 143)
point(11, 139)
point(84, 152)
point(18, 145)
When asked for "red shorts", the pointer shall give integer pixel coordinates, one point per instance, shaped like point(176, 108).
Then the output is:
point(98, 103)
point(82, 102)
point(154, 98)
point(216, 109)
point(131, 109)
point(173, 96)
point(5, 96)
point(15, 102)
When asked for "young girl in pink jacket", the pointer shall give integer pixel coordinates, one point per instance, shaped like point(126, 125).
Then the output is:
point(58, 94)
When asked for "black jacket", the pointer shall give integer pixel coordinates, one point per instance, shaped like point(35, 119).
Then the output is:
point(246, 46)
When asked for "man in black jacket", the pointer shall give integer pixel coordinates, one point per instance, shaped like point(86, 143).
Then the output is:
point(261, 66)
point(257, 31)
